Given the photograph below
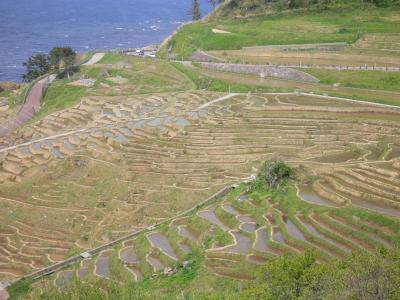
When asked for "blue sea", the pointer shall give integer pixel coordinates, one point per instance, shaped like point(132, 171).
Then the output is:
point(35, 26)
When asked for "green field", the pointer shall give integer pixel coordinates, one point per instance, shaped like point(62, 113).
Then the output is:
point(59, 96)
point(289, 28)
point(375, 80)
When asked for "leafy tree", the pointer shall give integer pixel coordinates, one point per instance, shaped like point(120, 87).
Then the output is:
point(373, 276)
point(363, 276)
point(60, 59)
point(295, 277)
point(195, 11)
point(36, 66)
point(273, 174)
point(63, 58)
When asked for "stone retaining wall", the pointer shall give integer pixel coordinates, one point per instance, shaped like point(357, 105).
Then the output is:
point(262, 70)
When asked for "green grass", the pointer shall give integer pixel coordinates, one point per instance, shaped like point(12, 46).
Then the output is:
point(5, 93)
point(274, 84)
point(59, 96)
point(20, 289)
point(216, 85)
point(110, 58)
point(91, 72)
point(290, 28)
point(377, 80)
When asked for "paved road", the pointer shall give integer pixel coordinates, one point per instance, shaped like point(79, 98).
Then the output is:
point(32, 103)
point(3, 291)
point(94, 60)
point(30, 107)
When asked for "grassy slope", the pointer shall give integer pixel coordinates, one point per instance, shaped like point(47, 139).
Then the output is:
point(144, 77)
point(339, 25)
point(383, 97)
point(216, 85)
point(59, 96)
point(377, 80)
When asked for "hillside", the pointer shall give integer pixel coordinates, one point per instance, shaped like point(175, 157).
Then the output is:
point(252, 8)
point(339, 23)
point(136, 179)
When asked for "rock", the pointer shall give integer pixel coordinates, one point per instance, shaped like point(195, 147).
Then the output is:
point(80, 163)
point(169, 271)
point(185, 264)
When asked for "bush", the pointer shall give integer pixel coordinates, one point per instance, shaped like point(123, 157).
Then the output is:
point(363, 275)
point(273, 174)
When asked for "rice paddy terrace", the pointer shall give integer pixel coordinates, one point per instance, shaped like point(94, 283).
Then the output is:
point(85, 175)
point(370, 52)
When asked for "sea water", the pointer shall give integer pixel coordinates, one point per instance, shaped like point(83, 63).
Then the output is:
point(35, 26)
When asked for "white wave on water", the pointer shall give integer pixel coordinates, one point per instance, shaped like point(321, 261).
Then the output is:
point(10, 67)
point(102, 25)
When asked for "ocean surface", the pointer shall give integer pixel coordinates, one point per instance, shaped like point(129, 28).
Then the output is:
point(35, 26)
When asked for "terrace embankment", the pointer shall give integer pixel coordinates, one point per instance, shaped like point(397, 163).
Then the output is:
point(265, 71)
point(110, 165)
point(235, 234)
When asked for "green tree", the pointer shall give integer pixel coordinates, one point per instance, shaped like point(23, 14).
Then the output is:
point(36, 66)
point(295, 277)
point(62, 60)
point(195, 11)
point(273, 174)
point(373, 276)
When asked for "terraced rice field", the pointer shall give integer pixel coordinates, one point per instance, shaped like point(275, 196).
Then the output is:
point(110, 165)
point(383, 42)
point(234, 237)
point(372, 50)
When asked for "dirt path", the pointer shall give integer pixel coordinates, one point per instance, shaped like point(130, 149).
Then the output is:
point(43, 139)
point(30, 107)
point(218, 100)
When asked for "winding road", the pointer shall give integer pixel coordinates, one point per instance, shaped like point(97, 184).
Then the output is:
point(32, 103)
point(30, 107)
point(94, 60)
